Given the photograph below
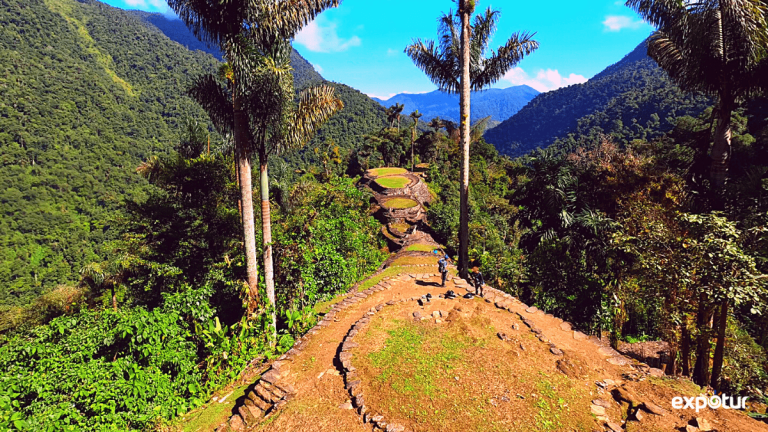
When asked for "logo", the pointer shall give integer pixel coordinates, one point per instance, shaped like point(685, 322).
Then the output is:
point(713, 402)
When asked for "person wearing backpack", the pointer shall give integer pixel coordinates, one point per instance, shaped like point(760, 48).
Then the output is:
point(442, 267)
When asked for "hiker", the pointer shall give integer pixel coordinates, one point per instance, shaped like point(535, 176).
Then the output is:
point(478, 281)
point(442, 267)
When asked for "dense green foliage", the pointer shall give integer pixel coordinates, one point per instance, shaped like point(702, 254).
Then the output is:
point(78, 113)
point(633, 99)
point(180, 332)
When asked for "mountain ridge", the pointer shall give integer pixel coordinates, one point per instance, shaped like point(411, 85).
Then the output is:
point(500, 104)
point(626, 99)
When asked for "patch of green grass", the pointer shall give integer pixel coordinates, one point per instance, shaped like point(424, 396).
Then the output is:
point(394, 182)
point(392, 272)
point(378, 172)
point(421, 248)
point(411, 261)
point(209, 416)
point(682, 386)
point(418, 356)
point(402, 227)
point(400, 203)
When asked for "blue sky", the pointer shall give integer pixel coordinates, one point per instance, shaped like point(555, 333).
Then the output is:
point(361, 42)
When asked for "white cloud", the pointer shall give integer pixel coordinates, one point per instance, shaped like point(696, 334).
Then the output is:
point(323, 38)
point(545, 80)
point(614, 23)
point(318, 68)
point(392, 53)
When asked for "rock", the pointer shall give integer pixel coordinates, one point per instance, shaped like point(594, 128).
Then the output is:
point(532, 309)
point(556, 351)
point(618, 361)
point(247, 415)
point(502, 336)
point(639, 416)
point(608, 352)
point(438, 321)
point(614, 427)
point(224, 427)
point(597, 410)
point(568, 368)
point(689, 428)
point(515, 327)
point(621, 394)
point(565, 326)
point(236, 423)
point(395, 428)
point(436, 314)
point(417, 314)
point(653, 408)
point(443, 313)
point(601, 402)
point(654, 372)
point(346, 406)
point(703, 424)
point(579, 335)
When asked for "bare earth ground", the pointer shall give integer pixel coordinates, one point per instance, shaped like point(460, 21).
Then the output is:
point(540, 397)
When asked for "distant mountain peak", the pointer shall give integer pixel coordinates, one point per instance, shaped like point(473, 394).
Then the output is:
point(500, 104)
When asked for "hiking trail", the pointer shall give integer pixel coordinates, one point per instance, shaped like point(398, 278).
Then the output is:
point(385, 358)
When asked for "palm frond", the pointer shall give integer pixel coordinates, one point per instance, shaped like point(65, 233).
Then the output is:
point(213, 21)
point(216, 101)
point(285, 18)
point(316, 106)
point(518, 46)
point(441, 68)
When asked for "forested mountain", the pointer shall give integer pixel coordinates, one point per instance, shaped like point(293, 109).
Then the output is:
point(87, 92)
point(500, 104)
point(633, 98)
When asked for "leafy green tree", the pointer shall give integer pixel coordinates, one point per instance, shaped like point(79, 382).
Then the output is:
point(717, 47)
point(457, 64)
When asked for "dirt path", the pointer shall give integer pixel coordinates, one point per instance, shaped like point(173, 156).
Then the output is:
point(557, 378)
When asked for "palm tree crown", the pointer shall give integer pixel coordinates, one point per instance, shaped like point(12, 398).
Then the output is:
point(718, 47)
point(441, 60)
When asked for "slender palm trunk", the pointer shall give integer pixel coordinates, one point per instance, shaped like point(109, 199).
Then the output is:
point(413, 140)
point(464, 113)
point(721, 150)
point(114, 298)
point(246, 200)
point(717, 363)
point(266, 229)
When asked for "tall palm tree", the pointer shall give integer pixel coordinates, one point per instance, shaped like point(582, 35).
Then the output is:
point(416, 115)
point(717, 47)
point(227, 26)
point(457, 64)
point(279, 126)
point(393, 114)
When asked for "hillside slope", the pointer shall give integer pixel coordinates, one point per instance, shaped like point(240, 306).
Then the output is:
point(633, 98)
point(500, 104)
point(86, 93)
